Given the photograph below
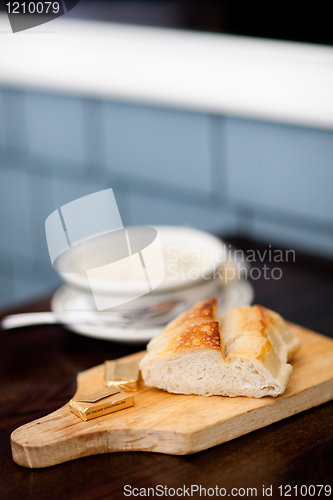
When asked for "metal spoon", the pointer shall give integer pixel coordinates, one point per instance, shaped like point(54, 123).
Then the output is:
point(155, 315)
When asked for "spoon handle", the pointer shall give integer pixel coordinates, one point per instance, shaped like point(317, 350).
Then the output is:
point(27, 319)
point(45, 318)
point(155, 315)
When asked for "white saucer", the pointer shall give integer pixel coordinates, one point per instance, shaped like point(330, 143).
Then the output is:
point(237, 294)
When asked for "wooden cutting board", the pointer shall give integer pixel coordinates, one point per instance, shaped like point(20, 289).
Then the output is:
point(174, 424)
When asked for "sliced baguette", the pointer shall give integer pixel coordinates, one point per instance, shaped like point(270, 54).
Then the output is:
point(243, 354)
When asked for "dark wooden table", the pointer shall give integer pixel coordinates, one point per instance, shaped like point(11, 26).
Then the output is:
point(38, 371)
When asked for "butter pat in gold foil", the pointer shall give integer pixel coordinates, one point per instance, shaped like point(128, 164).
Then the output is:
point(100, 402)
point(122, 375)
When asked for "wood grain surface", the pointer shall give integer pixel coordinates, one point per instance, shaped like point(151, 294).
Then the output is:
point(174, 424)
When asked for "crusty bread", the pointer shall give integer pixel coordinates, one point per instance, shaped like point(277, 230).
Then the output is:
point(243, 354)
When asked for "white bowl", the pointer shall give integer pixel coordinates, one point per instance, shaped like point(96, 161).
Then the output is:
point(191, 259)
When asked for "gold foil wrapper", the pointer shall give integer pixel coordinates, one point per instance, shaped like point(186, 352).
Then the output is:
point(125, 376)
point(100, 402)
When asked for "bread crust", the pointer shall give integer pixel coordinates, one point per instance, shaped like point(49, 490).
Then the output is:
point(205, 335)
point(251, 339)
point(257, 321)
point(197, 328)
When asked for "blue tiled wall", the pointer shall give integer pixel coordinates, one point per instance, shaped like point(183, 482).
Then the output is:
point(55, 129)
point(289, 169)
point(169, 147)
point(228, 175)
